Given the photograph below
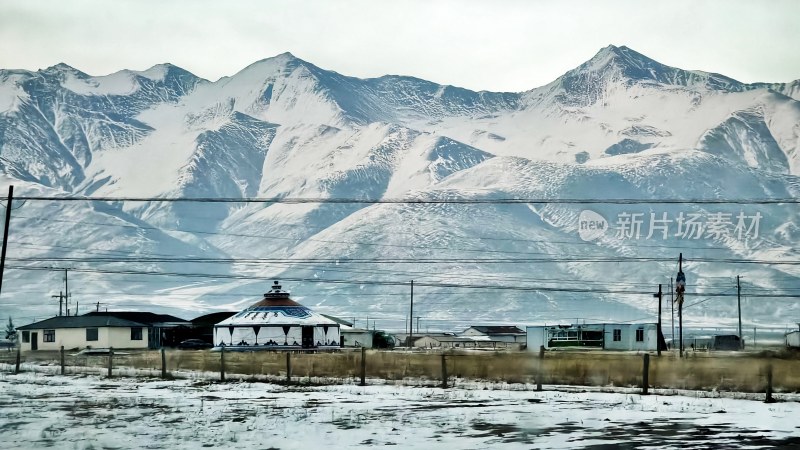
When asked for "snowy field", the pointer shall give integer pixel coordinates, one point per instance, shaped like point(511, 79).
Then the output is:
point(88, 411)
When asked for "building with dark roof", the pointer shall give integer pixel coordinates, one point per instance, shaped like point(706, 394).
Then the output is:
point(75, 332)
point(203, 326)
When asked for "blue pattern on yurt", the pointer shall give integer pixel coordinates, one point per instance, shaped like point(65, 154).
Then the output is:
point(300, 312)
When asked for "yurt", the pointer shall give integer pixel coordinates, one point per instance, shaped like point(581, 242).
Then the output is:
point(276, 323)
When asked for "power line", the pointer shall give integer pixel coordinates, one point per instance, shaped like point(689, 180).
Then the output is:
point(396, 283)
point(433, 201)
point(345, 260)
point(311, 239)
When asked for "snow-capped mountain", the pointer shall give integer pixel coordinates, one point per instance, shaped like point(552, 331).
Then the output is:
point(620, 126)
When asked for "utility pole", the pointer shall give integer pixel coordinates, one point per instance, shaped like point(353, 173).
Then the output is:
point(672, 305)
point(680, 288)
point(658, 337)
point(418, 317)
point(5, 234)
point(739, 305)
point(60, 298)
point(411, 317)
point(66, 292)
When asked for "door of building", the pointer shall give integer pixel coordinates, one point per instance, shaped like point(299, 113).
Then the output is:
point(34, 340)
point(308, 337)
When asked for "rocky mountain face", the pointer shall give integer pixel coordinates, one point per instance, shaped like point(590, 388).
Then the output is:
point(620, 126)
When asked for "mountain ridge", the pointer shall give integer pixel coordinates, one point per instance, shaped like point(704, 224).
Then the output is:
point(619, 126)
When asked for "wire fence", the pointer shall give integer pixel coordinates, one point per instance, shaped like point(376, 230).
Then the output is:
point(720, 371)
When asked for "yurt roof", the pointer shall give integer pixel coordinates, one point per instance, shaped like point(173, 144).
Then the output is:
point(276, 308)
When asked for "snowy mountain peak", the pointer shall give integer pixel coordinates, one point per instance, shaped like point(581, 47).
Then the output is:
point(624, 63)
point(61, 70)
point(159, 71)
point(620, 68)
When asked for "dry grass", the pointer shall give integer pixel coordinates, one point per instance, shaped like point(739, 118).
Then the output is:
point(745, 372)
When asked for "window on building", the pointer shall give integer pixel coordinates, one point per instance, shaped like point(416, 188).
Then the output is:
point(617, 335)
point(136, 334)
point(91, 334)
point(49, 336)
point(640, 335)
point(26, 336)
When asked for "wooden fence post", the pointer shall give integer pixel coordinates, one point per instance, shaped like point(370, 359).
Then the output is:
point(16, 369)
point(163, 363)
point(110, 360)
point(444, 371)
point(62, 360)
point(222, 363)
point(646, 374)
point(540, 371)
point(288, 367)
point(769, 398)
point(363, 366)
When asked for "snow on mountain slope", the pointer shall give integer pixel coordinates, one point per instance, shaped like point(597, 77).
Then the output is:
point(623, 99)
point(11, 93)
point(620, 125)
point(470, 233)
point(47, 237)
point(377, 161)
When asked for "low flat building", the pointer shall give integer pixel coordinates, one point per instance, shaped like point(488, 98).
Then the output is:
point(163, 330)
point(608, 336)
point(499, 333)
point(444, 340)
point(79, 332)
point(450, 340)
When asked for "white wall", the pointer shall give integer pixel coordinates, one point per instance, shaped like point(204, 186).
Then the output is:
point(471, 331)
point(117, 337)
point(358, 339)
point(274, 334)
point(536, 337)
point(120, 337)
point(628, 337)
point(793, 339)
point(427, 342)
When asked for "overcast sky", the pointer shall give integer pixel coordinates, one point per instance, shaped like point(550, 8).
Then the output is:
point(493, 45)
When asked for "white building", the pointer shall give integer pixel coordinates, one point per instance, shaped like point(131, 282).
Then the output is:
point(499, 333)
point(78, 332)
point(793, 339)
point(356, 337)
point(609, 336)
point(444, 340)
point(277, 323)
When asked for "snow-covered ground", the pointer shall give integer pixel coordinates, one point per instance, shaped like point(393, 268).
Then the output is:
point(86, 411)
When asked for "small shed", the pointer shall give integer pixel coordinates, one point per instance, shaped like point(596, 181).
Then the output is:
point(726, 342)
point(82, 332)
point(277, 322)
point(793, 339)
